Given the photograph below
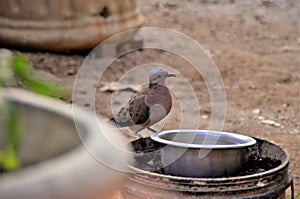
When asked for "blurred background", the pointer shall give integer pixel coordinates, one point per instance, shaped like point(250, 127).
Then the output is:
point(255, 44)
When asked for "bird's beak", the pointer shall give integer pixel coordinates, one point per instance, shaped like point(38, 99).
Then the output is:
point(171, 75)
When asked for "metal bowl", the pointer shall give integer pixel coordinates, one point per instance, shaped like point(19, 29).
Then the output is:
point(202, 153)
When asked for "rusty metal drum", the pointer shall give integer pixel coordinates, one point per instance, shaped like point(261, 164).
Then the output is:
point(257, 179)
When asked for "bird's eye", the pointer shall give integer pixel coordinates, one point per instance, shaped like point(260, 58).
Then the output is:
point(159, 76)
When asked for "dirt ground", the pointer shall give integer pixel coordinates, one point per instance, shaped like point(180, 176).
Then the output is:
point(256, 46)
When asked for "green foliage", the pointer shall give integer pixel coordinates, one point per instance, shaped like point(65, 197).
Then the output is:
point(9, 157)
point(23, 70)
point(21, 66)
point(18, 68)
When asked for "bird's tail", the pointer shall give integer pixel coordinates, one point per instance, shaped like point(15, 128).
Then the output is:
point(113, 122)
point(120, 124)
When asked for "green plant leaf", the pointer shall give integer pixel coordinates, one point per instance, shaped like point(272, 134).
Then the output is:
point(9, 157)
point(13, 127)
point(23, 70)
point(21, 65)
point(43, 87)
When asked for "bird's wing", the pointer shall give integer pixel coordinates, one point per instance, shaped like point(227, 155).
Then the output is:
point(145, 108)
point(135, 112)
point(122, 118)
point(139, 111)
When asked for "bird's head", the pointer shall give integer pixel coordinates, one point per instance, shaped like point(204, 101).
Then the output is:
point(159, 75)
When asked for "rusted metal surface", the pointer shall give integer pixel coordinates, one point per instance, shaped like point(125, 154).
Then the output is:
point(149, 181)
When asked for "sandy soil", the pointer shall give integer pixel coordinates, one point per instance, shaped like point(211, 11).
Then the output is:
point(256, 47)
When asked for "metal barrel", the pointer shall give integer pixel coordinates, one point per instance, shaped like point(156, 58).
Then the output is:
point(270, 184)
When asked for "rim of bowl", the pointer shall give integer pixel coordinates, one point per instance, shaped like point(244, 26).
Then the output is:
point(244, 141)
